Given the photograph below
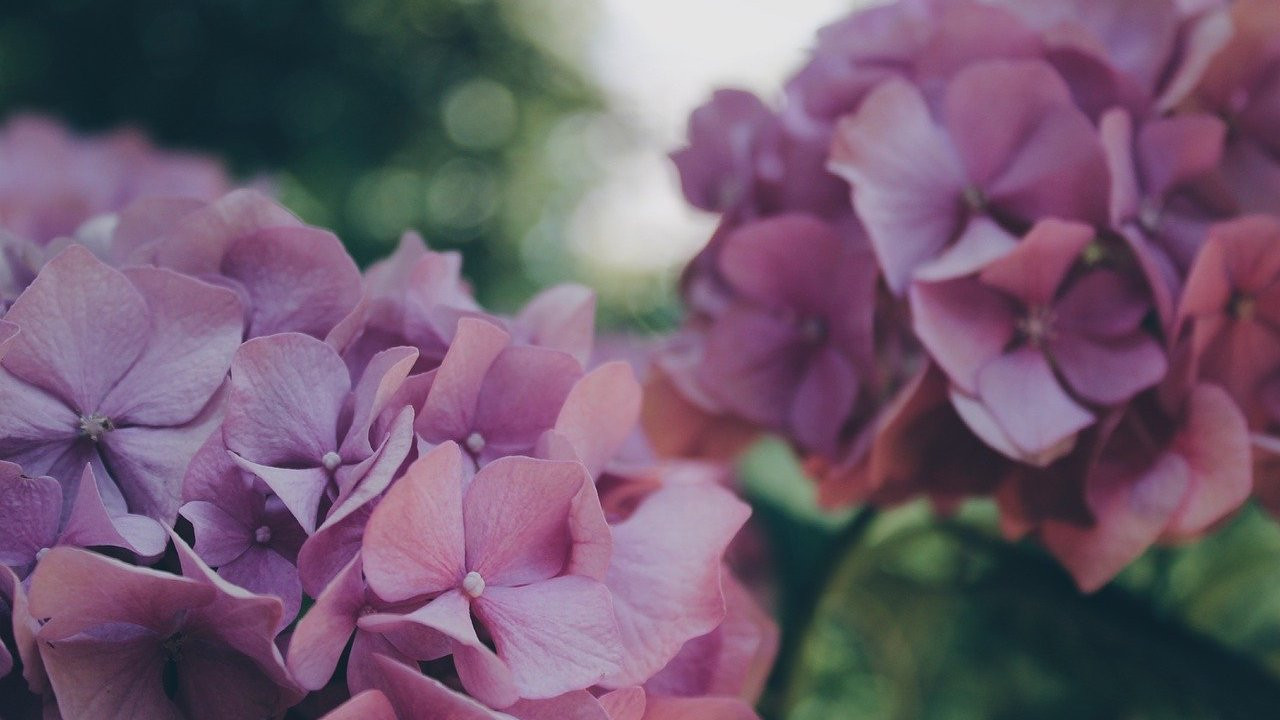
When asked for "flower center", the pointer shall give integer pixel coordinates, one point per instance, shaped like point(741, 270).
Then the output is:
point(813, 329)
point(473, 584)
point(262, 535)
point(975, 199)
point(475, 443)
point(95, 425)
point(1037, 325)
point(1243, 307)
point(331, 461)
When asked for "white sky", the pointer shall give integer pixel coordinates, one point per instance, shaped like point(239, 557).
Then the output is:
point(658, 60)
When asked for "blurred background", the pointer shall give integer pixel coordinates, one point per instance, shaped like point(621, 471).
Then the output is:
point(532, 135)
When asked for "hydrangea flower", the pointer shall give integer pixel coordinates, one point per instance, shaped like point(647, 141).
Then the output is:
point(115, 369)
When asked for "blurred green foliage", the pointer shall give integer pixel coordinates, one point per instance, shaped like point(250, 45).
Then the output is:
point(904, 615)
point(372, 115)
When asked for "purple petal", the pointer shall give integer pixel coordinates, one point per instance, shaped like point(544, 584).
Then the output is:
point(1025, 398)
point(963, 325)
point(148, 464)
point(29, 512)
point(824, 400)
point(114, 672)
point(83, 325)
point(90, 524)
point(1033, 271)
point(286, 394)
point(300, 489)
point(220, 538)
point(906, 179)
point(561, 318)
point(322, 634)
point(600, 413)
point(264, 571)
point(982, 242)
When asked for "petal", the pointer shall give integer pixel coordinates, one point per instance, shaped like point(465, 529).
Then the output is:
point(1026, 400)
point(660, 708)
point(1214, 442)
point(378, 386)
point(556, 636)
point(824, 400)
point(579, 705)
point(195, 329)
point(521, 396)
point(375, 473)
point(148, 464)
point(368, 705)
point(1033, 271)
point(299, 279)
point(216, 682)
point(91, 525)
point(29, 512)
point(963, 325)
point(1109, 372)
point(1177, 150)
point(83, 325)
point(907, 181)
point(34, 422)
point(562, 318)
point(300, 489)
point(665, 575)
point(198, 243)
point(264, 571)
point(600, 413)
point(286, 394)
point(1115, 131)
point(76, 590)
point(413, 544)
point(332, 546)
point(450, 410)
point(516, 514)
point(1102, 304)
point(417, 696)
point(751, 364)
point(323, 632)
point(982, 242)
point(220, 538)
point(114, 677)
point(784, 261)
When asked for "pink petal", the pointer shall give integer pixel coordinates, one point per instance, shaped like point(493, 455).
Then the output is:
point(109, 678)
point(963, 325)
point(906, 179)
point(516, 514)
point(1034, 270)
point(1214, 442)
point(752, 364)
point(76, 590)
point(1179, 149)
point(7, 332)
point(286, 394)
point(450, 409)
point(579, 705)
point(417, 696)
point(665, 575)
point(1109, 372)
point(332, 546)
point(195, 329)
point(600, 413)
point(382, 377)
point(556, 635)
point(375, 473)
point(625, 704)
point(197, 245)
point(562, 318)
point(83, 325)
point(414, 543)
point(323, 632)
point(1026, 400)
point(1115, 131)
point(368, 705)
point(521, 396)
point(659, 708)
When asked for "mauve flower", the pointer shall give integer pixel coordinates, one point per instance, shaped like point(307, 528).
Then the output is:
point(493, 397)
point(123, 641)
point(52, 181)
point(1005, 335)
point(319, 440)
point(793, 346)
point(1155, 475)
point(943, 194)
point(1242, 85)
point(31, 520)
point(291, 277)
point(721, 167)
point(519, 550)
point(1231, 306)
point(116, 369)
point(1157, 202)
point(241, 528)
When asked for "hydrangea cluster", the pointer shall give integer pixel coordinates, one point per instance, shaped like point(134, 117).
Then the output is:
point(239, 479)
point(1026, 249)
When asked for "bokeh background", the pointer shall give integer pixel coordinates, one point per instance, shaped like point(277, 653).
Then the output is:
point(532, 135)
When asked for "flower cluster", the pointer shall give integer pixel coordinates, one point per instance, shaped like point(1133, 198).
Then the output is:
point(238, 476)
point(1014, 248)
